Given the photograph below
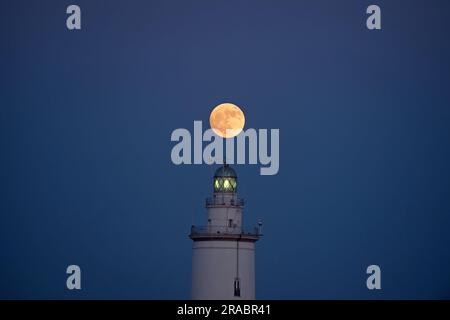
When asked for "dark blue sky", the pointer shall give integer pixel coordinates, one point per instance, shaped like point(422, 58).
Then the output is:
point(86, 118)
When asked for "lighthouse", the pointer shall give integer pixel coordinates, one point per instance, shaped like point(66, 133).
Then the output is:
point(223, 251)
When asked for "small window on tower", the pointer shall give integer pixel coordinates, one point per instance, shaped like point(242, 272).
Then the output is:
point(230, 223)
point(237, 288)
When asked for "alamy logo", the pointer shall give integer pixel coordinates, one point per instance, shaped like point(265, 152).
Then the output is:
point(74, 280)
point(227, 123)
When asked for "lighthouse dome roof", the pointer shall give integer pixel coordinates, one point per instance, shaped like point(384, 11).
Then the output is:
point(225, 172)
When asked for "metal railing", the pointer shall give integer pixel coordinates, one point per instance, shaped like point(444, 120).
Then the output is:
point(221, 230)
point(217, 201)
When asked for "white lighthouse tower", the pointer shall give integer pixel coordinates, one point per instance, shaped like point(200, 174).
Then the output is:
point(223, 259)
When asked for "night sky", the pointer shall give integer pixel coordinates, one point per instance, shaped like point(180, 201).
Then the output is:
point(86, 116)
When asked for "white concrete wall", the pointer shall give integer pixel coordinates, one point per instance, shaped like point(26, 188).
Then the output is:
point(214, 270)
point(220, 216)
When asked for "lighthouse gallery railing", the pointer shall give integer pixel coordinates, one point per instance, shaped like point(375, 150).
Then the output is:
point(218, 230)
point(224, 201)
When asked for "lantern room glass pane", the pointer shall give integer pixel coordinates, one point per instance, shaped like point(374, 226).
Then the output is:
point(225, 184)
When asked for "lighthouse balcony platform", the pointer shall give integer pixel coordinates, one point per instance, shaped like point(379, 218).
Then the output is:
point(218, 201)
point(199, 233)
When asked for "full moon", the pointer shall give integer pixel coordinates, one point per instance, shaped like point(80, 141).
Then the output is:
point(227, 120)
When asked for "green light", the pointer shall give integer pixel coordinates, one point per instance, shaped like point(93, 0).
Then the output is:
point(225, 184)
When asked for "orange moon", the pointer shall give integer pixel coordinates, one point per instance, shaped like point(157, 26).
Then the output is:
point(227, 120)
